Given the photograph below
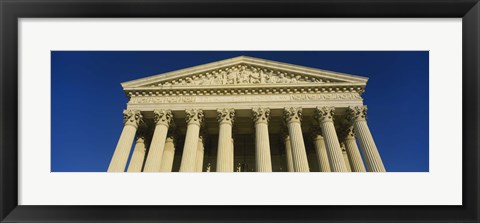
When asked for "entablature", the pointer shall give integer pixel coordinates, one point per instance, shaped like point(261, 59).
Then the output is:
point(246, 89)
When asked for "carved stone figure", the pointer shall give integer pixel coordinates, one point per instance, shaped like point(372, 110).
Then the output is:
point(232, 76)
point(254, 77)
point(189, 81)
point(211, 79)
point(282, 79)
point(262, 76)
point(223, 75)
point(272, 78)
point(242, 74)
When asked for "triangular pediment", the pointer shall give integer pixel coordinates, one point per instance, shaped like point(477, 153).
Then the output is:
point(244, 71)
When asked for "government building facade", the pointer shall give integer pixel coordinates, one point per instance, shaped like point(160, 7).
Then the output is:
point(246, 115)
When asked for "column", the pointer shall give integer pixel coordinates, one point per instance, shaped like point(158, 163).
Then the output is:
point(200, 154)
point(321, 151)
point(225, 118)
point(358, 116)
point(138, 156)
point(263, 160)
point(292, 118)
point(324, 115)
point(168, 154)
point(162, 119)
point(131, 120)
point(352, 151)
point(194, 118)
point(288, 152)
point(345, 157)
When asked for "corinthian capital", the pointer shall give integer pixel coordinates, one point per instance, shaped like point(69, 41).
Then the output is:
point(162, 117)
point(346, 132)
point(292, 114)
point(226, 115)
point(357, 113)
point(194, 116)
point(132, 117)
point(260, 115)
point(324, 114)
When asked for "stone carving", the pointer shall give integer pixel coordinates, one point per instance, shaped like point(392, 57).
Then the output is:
point(346, 132)
point(292, 114)
point(132, 117)
point(164, 99)
point(242, 98)
point(357, 113)
point(226, 115)
point(260, 115)
point(162, 117)
point(324, 114)
point(325, 96)
point(194, 116)
point(242, 74)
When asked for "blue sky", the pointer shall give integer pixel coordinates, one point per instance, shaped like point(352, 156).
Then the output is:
point(87, 99)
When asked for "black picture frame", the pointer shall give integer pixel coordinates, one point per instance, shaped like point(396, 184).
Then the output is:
point(11, 11)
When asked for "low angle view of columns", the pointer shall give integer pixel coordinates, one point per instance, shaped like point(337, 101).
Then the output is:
point(246, 114)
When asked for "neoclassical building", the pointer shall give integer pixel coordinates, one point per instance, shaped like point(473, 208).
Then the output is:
point(246, 115)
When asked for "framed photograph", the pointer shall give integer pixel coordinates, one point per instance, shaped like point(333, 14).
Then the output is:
point(224, 111)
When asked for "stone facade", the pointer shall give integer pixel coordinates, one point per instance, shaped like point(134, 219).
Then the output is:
point(246, 115)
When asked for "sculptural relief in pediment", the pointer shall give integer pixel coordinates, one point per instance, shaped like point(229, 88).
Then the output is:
point(242, 74)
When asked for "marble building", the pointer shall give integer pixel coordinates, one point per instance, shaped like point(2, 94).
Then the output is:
point(246, 115)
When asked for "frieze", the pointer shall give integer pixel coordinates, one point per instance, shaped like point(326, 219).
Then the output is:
point(162, 99)
point(242, 98)
point(325, 96)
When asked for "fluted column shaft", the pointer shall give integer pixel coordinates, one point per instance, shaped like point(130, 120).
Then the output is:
point(373, 161)
point(324, 116)
point(168, 155)
point(345, 157)
point(288, 153)
point(225, 154)
point(200, 154)
point(292, 117)
point(321, 152)
point(131, 120)
point(194, 118)
point(263, 158)
point(353, 153)
point(162, 119)
point(138, 156)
